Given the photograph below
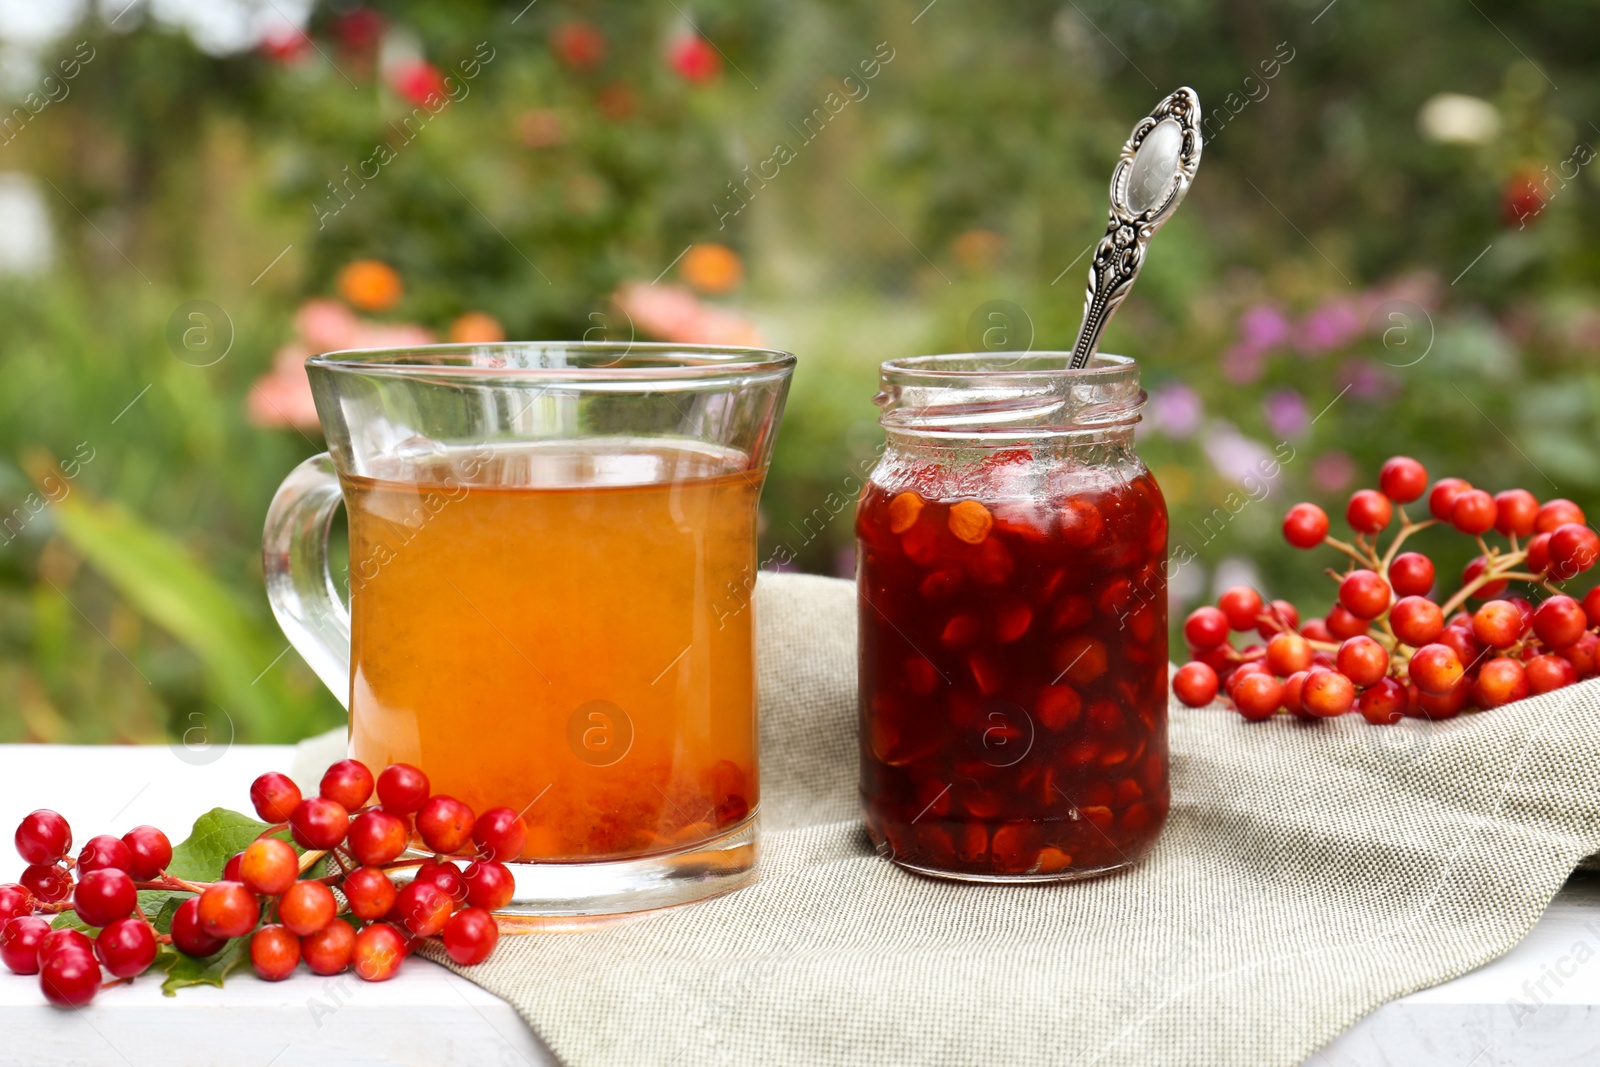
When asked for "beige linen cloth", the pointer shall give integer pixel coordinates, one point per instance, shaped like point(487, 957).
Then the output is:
point(1309, 872)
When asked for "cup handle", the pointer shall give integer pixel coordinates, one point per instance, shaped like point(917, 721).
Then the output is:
point(294, 558)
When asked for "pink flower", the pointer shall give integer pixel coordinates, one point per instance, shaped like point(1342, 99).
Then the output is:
point(1332, 472)
point(1285, 412)
point(1263, 327)
point(1235, 456)
point(673, 313)
point(1332, 325)
point(1175, 410)
point(282, 396)
point(1368, 382)
point(326, 325)
point(419, 82)
point(1242, 365)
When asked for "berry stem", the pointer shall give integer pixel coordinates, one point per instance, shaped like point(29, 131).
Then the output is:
point(1407, 528)
point(1347, 548)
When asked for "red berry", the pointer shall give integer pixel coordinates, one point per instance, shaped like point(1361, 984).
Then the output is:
point(445, 824)
point(1258, 696)
point(1500, 681)
point(1241, 672)
point(1195, 684)
point(1473, 571)
point(423, 908)
point(1473, 512)
point(1498, 624)
point(1560, 621)
point(43, 838)
point(1287, 653)
point(187, 935)
point(1293, 686)
point(269, 866)
point(1305, 525)
point(1364, 594)
point(370, 892)
point(1556, 514)
point(1206, 627)
point(49, 883)
point(1242, 605)
point(1435, 670)
point(1363, 661)
point(1548, 672)
point(1411, 574)
point(1584, 656)
point(306, 907)
point(15, 900)
point(328, 950)
point(230, 870)
point(445, 875)
point(579, 45)
point(69, 979)
point(1437, 706)
point(1403, 479)
point(64, 940)
point(228, 909)
point(1342, 624)
point(1416, 620)
point(127, 947)
point(103, 852)
point(1280, 617)
point(149, 852)
point(1461, 640)
point(1591, 606)
point(1384, 704)
point(500, 834)
point(1316, 630)
point(1573, 549)
point(470, 936)
point(20, 939)
point(319, 823)
point(274, 796)
point(1327, 693)
point(348, 783)
point(490, 884)
point(377, 836)
point(1442, 497)
point(402, 789)
point(104, 896)
point(1369, 511)
point(694, 59)
point(1539, 553)
point(378, 952)
point(1516, 511)
point(274, 953)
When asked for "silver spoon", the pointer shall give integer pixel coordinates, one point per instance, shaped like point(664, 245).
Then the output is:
point(1153, 174)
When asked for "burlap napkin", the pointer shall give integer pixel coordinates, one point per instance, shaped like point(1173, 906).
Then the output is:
point(1308, 873)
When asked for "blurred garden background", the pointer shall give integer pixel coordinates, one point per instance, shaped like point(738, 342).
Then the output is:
point(1391, 247)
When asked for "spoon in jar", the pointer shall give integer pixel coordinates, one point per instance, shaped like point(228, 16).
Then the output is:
point(1151, 177)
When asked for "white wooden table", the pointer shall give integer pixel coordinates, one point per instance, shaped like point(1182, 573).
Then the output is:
point(1537, 1005)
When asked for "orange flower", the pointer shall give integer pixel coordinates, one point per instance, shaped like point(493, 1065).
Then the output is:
point(477, 328)
point(370, 285)
point(978, 250)
point(712, 268)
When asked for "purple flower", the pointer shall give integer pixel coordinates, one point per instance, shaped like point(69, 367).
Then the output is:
point(1285, 411)
point(1262, 327)
point(1332, 472)
point(1242, 365)
point(1332, 325)
point(1367, 382)
point(1175, 410)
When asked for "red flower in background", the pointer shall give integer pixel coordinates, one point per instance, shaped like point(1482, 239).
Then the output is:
point(1521, 200)
point(359, 30)
point(579, 45)
point(285, 44)
point(694, 58)
point(419, 82)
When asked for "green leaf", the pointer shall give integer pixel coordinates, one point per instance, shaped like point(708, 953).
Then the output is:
point(183, 971)
point(216, 837)
point(163, 919)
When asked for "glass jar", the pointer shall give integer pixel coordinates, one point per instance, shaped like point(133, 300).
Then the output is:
point(1011, 570)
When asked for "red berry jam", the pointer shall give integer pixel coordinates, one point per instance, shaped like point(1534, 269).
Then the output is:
point(1013, 667)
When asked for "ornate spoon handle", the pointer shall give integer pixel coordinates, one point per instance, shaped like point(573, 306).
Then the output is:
point(1156, 167)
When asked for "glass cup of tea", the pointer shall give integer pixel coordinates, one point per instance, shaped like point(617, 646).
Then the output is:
point(551, 567)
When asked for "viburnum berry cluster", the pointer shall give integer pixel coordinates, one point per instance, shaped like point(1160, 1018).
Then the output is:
point(120, 907)
point(1387, 647)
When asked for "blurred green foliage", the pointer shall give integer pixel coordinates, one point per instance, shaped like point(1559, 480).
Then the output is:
point(971, 169)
